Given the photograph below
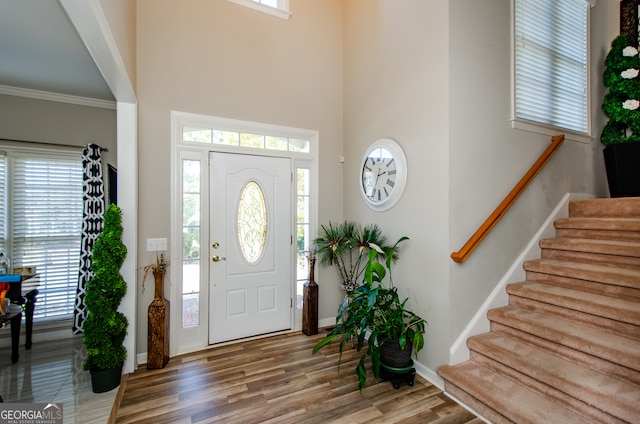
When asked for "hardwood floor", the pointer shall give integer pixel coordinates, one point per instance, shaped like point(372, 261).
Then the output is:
point(51, 372)
point(277, 380)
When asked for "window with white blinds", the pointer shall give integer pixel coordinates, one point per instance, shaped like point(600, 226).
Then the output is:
point(45, 215)
point(551, 63)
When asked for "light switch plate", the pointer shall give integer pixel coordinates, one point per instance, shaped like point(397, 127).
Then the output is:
point(156, 244)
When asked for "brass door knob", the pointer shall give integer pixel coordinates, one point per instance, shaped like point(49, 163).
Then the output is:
point(217, 258)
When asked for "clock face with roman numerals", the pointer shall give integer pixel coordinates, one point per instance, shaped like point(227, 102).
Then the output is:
point(383, 174)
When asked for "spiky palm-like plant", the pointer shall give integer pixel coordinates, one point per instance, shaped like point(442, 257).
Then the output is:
point(346, 245)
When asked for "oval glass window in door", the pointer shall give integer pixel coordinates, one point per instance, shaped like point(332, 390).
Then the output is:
point(252, 222)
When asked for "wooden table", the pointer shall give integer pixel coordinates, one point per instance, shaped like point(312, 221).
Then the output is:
point(14, 317)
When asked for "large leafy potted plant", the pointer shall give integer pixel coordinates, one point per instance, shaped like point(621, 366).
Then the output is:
point(621, 135)
point(346, 246)
point(374, 315)
point(105, 328)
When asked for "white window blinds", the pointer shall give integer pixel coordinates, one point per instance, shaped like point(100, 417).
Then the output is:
point(46, 212)
point(551, 63)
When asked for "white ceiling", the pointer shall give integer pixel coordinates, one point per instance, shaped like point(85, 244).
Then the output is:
point(41, 50)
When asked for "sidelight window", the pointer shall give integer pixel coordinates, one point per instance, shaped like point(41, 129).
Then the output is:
point(191, 194)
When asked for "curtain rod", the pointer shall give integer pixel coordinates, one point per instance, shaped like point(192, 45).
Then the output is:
point(104, 149)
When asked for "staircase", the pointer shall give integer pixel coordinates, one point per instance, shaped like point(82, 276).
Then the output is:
point(567, 347)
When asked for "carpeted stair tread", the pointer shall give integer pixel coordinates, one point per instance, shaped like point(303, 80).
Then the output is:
point(613, 253)
point(628, 207)
point(597, 342)
point(609, 247)
point(626, 277)
point(623, 310)
point(516, 402)
point(567, 348)
point(608, 224)
point(615, 397)
point(599, 228)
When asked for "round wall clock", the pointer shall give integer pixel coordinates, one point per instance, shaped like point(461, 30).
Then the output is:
point(383, 174)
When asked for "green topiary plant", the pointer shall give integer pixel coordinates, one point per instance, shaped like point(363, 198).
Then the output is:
point(622, 102)
point(105, 328)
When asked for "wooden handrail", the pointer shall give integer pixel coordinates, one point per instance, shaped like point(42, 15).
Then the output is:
point(498, 213)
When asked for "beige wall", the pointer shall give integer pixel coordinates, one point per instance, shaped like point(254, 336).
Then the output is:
point(121, 15)
point(23, 118)
point(436, 77)
point(488, 156)
point(397, 86)
point(217, 58)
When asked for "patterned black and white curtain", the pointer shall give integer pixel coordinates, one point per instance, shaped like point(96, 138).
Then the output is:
point(91, 225)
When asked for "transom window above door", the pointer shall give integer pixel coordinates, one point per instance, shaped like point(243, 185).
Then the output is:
point(242, 139)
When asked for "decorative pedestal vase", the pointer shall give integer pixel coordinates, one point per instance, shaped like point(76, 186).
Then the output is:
point(158, 330)
point(310, 303)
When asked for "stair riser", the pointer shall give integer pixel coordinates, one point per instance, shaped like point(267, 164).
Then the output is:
point(592, 257)
point(607, 366)
point(586, 286)
point(622, 277)
point(600, 208)
point(621, 328)
point(578, 407)
point(623, 311)
point(598, 234)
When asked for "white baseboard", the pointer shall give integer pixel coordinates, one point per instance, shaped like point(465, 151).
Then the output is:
point(429, 375)
point(327, 322)
point(459, 352)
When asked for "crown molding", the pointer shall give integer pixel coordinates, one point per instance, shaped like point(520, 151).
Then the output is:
point(57, 97)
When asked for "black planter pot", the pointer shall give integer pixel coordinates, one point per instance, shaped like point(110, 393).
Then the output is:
point(396, 364)
point(622, 162)
point(392, 356)
point(105, 380)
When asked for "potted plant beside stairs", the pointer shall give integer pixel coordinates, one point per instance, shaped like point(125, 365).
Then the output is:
point(373, 314)
point(621, 135)
point(105, 328)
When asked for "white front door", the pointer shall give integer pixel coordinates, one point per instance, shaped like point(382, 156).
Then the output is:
point(251, 249)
